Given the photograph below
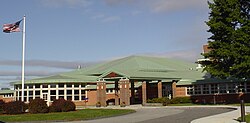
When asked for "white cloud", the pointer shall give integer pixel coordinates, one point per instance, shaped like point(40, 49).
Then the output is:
point(66, 3)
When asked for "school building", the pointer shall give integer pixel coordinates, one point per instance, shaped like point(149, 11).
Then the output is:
point(133, 80)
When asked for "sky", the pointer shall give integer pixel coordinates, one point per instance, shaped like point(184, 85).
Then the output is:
point(62, 34)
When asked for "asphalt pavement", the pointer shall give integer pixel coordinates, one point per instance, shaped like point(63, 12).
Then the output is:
point(178, 114)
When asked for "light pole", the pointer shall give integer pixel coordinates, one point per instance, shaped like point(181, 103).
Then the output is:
point(242, 103)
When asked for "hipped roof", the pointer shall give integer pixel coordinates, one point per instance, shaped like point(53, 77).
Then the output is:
point(132, 67)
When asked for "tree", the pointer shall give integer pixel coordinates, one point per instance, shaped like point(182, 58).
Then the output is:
point(229, 23)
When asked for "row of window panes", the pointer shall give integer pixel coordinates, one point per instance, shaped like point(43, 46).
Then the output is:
point(53, 98)
point(53, 92)
point(214, 89)
point(51, 85)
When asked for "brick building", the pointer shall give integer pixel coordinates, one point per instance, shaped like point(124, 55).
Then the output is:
point(133, 80)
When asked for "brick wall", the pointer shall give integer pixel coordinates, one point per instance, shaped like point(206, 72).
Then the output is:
point(180, 91)
point(92, 99)
point(7, 99)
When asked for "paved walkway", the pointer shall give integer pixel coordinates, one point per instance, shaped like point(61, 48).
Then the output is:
point(228, 117)
point(178, 114)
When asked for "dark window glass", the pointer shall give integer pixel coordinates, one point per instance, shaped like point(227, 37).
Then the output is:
point(61, 85)
point(76, 91)
point(52, 92)
point(69, 92)
point(61, 92)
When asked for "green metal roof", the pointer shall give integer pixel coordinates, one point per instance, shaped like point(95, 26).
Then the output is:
point(132, 67)
point(6, 92)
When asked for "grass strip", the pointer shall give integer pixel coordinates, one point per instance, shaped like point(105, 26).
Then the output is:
point(66, 116)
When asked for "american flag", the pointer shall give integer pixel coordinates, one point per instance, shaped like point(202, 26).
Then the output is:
point(14, 27)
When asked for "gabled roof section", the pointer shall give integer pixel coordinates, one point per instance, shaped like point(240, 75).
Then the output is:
point(113, 74)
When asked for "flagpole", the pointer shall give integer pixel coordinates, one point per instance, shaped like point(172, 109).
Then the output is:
point(23, 56)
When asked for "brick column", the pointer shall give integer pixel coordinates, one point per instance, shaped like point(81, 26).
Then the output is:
point(159, 89)
point(144, 92)
point(132, 87)
point(116, 93)
point(174, 89)
point(101, 93)
point(124, 92)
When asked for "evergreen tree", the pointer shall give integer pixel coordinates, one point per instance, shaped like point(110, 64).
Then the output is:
point(229, 23)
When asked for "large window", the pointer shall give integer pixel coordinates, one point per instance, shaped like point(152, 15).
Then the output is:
point(197, 89)
point(231, 88)
point(190, 90)
point(222, 88)
point(206, 89)
point(214, 89)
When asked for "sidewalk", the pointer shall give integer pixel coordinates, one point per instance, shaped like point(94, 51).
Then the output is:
point(228, 117)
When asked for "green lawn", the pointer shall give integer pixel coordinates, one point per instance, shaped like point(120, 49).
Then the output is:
point(248, 118)
point(66, 116)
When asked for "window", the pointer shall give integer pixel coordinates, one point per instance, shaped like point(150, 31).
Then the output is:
point(30, 92)
point(222, 88)
point(82, 91)
point(69, 92)
point(190, 90)
point(53, 86)
point(197, 89)
point(205, 89)
point(52, 92)
point(76, 85)
point(37, 92)
point(61, 92)
point(53, 98)
point(37, 86)
point(214, 89)
point(61, 85)
point(76, 91)
point(76, 98)
point(231, 88)
point(69, 85)
point(69, 97)
point(45, 86)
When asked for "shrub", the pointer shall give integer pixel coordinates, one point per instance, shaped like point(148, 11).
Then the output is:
point(178, 100)
point(163, 100)
point(15, 107)
point(62, 105)
point(38, 106)
point(68, 106)
point(2, 103)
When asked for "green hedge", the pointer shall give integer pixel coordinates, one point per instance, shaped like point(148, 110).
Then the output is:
point(165, 100)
